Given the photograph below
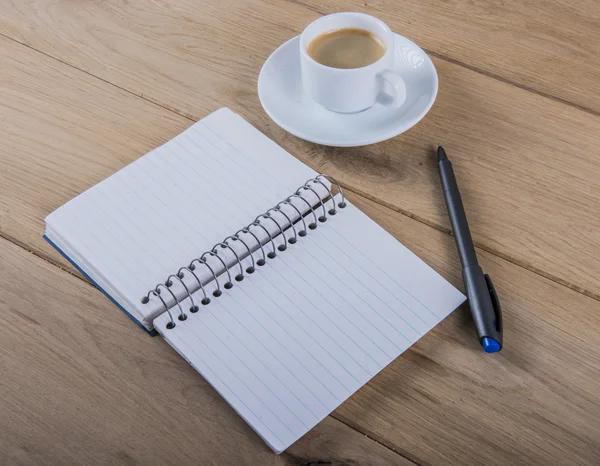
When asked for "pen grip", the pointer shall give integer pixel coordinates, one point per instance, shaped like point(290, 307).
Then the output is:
point(486, 318)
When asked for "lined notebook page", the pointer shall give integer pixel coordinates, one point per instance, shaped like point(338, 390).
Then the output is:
point(154, 216)
point(295, 339)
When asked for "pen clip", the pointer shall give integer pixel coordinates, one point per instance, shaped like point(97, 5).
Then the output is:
point(496, 306)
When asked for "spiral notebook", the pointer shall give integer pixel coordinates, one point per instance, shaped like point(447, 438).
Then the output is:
point(284, 296)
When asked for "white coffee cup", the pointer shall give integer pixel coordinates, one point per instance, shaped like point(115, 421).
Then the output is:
point(351, 90)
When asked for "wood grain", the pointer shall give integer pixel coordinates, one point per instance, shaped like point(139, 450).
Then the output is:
point(82, 385)
point(526, 164)
point(550, 47)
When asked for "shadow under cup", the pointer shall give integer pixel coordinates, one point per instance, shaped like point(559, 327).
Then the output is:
point(345, 90)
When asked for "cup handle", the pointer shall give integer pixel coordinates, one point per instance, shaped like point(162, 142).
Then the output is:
point(392, 89)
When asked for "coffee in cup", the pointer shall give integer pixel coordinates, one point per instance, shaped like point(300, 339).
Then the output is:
point(346, 48)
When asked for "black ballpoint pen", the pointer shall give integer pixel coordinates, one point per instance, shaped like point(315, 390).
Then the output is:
point(481, 295)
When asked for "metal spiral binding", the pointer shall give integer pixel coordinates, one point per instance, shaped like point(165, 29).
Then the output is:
point(247, 231)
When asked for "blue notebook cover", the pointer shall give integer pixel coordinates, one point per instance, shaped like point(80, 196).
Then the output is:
point(150, 332)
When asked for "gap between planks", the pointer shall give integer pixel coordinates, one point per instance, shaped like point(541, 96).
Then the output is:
point(384, 443)
point(506, 257)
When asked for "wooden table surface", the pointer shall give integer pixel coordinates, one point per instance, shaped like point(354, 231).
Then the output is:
point(86, 87)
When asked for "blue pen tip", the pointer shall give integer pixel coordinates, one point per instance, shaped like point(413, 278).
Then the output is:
point(490, 345)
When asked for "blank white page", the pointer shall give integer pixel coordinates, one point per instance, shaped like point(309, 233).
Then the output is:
point(132, 230)
point(296, 338)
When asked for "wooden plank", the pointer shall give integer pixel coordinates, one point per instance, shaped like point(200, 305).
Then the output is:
point(548, 47)
point(81, 385)
point(525, 163)
point(446, 402)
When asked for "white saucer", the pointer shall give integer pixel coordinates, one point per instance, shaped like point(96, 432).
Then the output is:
point(282, 96)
